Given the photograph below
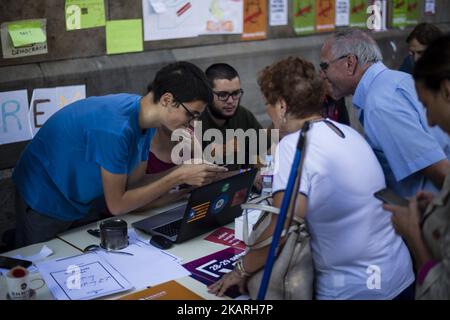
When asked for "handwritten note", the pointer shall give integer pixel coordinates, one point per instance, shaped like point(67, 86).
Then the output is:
point(82, 14)
point(82, 277)
point(26, 32)
point(124, 36)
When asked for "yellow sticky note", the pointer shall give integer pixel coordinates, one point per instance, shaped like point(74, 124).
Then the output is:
point(124, 36)
point(27, 32)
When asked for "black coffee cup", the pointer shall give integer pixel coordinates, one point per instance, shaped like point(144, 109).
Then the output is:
point(113, 234)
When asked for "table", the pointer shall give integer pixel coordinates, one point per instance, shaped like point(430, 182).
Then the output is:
point(60, 249)
point(188, 251)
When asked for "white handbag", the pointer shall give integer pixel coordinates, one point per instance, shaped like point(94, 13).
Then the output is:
point(293, 272)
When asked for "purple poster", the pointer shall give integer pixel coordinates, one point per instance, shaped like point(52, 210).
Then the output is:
point(211, 268)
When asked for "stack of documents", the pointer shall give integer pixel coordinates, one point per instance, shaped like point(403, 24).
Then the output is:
point(100, 273)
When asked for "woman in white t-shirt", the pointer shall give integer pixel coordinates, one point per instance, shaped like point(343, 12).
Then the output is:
point(356, 253)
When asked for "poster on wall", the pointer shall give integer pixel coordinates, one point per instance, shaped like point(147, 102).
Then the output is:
point(24, 38)
point(304, 16)
point(173, 19)
point(399, 13)
point(412, 14)
point(14, 125)
point(342, 13)
point(377, 12)
point(221, 16)
point(83, 14)
point(255, 20)
point(278, 13)
point(358, 13)
point(123, 36)
point(325, 15)
point(430, 7)
point(46, 101)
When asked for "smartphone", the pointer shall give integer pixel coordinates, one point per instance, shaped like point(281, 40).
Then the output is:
point(390, 197)
point(9, 263)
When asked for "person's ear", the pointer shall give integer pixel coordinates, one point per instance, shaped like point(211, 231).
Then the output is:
point(166, 99)
point(352, 64)
point(445, 89)
point(281, 104)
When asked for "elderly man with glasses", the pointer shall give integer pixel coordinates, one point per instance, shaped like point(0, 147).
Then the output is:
point(226, 113)
point(413, 155)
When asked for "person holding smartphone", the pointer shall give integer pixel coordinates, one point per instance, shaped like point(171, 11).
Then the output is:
point(425, 224)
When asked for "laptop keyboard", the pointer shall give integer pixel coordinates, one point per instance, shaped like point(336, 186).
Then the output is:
point(170, 229)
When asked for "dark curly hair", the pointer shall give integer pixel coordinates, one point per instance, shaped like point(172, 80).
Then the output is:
point(184, 80)
point(297, 82)
point(434, 65)
point(424, 33)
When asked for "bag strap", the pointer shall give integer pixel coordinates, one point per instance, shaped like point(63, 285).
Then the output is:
point(265, 208)
point(262, 207)
point(266, 242)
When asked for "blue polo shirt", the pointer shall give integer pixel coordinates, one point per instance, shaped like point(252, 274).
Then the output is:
point(396, 128)
point(59, 172)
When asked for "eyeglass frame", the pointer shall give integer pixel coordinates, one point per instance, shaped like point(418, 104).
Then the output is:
point(229, 94)
point(192, 116)
point(325, 65)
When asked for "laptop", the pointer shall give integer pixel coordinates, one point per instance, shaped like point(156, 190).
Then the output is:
point(208, 208)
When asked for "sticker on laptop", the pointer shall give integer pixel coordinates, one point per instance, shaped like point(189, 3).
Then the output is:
point(239, 197)
point(198, 212)
point(225, 187)
point(219, 203)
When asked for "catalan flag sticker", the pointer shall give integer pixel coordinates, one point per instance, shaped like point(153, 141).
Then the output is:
point(198, 212)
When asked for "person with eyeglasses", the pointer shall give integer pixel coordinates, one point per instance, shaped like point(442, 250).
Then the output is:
point(225, 112)
point(413, 155)
point(98, 147)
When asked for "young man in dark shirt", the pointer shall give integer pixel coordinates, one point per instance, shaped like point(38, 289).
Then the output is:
point(226, 113)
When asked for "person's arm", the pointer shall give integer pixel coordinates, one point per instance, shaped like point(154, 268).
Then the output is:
point(120, 200)
point(256, 259)
point(437, 172)
point(406, 224)
point(166, 199)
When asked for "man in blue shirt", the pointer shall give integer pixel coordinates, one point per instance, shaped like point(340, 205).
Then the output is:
point(99, 147)
point(413, 156)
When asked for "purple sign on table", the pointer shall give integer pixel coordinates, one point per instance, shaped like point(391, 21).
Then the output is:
point(211, 268)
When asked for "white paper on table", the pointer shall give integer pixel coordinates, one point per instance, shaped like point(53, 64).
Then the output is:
point(82, 277)
point(41, 255)
point(278, 13)
point(147, 267)
point(135, 238)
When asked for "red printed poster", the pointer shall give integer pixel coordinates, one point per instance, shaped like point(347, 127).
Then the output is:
point(255, 20)
point(325, 15)
point(226, 237)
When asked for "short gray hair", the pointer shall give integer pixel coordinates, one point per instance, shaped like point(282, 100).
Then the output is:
point(357, 42)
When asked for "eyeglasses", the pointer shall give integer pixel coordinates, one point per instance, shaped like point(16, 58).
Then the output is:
point(324, 65)
point(224, 95)
point(192, 115)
